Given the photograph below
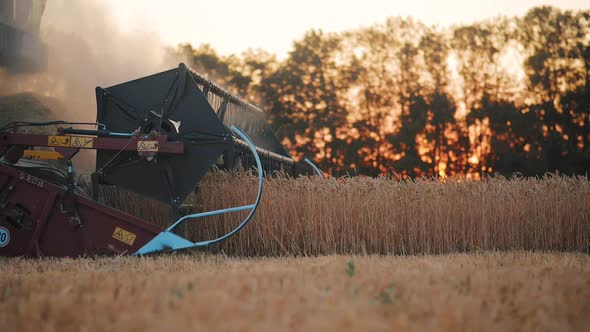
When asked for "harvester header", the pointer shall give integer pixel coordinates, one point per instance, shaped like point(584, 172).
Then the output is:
point(156, 136)
point(183, 105)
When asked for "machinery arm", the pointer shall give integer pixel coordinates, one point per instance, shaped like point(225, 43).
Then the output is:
point(114, 142)
point(167, 240)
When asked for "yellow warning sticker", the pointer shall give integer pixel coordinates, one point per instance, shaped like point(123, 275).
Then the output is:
point(124, 236)
point(147, 146)
point(81, 142)
point(73, 141)
point(58, 140)
point(46, 155)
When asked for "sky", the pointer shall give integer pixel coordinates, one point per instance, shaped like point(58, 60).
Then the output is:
point(232, 26)
point(107, 34)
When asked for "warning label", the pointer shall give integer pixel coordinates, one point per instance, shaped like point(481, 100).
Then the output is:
point(58, 140)
point(124, 236)
point(81, 142)
point(71, 141)
point(147, 146)
point(50, 155)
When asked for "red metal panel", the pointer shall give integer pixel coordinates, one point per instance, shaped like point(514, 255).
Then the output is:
point(41, 220)
point(104, 230)
point(99, 143)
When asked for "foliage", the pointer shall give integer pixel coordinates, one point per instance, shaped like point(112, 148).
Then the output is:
point(504, 95)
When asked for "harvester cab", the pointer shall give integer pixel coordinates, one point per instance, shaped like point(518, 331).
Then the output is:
point(156, 136)
point(21, 48)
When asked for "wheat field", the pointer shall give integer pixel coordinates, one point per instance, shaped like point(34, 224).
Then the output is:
point(360, 215)
point(348, 254)
point(202, 292)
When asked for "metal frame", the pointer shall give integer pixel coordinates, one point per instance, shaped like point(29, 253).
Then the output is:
point(167, 240)
point(52, 234)
point(316, 169)
point(98, 143)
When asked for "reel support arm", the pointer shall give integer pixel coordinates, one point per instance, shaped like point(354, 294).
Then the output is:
point(167, 240)
point(316, 169)
point(105, 142)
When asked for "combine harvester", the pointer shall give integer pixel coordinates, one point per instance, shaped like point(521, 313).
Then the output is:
point(156, 136)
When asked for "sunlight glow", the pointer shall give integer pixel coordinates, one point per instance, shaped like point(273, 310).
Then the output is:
point(232, 26)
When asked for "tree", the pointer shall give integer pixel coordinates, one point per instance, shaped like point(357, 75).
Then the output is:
point(222, 70)
point(554, 41)
point(302, 96)
point(387, 87)
point(441, 113)
point(401, 97)
point(557, 71)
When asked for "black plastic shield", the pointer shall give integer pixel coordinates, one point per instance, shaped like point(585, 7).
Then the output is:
point(173, 96)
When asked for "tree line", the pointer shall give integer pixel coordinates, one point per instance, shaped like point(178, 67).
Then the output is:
point(505, 95)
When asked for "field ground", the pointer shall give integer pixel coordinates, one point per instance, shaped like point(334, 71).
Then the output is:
point(486, 291)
